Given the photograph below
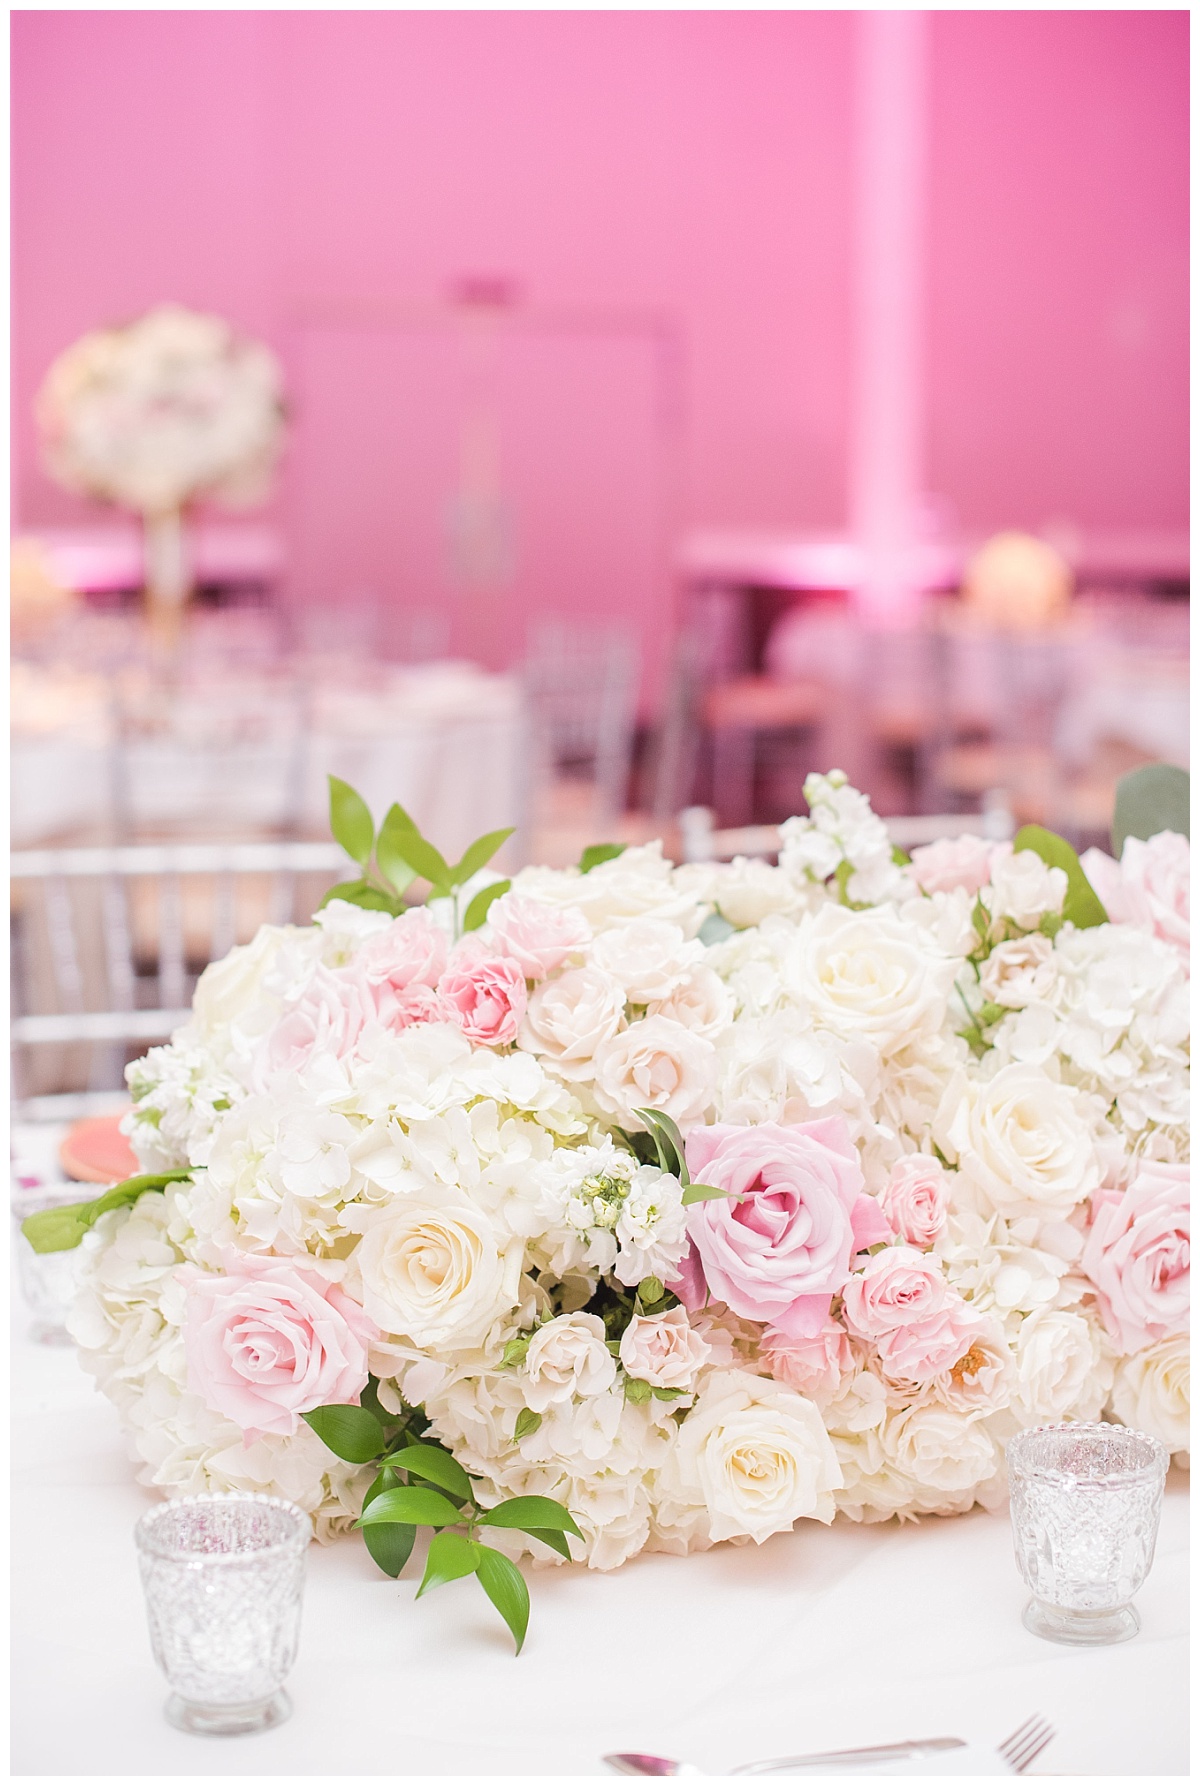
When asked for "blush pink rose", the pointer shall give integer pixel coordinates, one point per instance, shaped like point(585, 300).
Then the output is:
point(815, 1366)
point(483, 993)
point(325, 1021)
point(664, 1350)
point(412, 951)
point(952, 862)
point(915, 1199)
point(903, 1306)
point(1138, 1254)
point(538, 937)
point(1151, 885)
point(268, 1340)
point(780, 1249)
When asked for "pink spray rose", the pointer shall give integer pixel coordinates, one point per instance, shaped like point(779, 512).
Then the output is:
point(781, 1248)
point(902, 1304)
point(412, 951)
point(538, 937)
point(915, 1199)
point(483, 993)
point(326, 1020)
point(1137, 1254)
point(1150, 886)
point(952, 862)
point(269, 1340)
point(816, 1366)
point(664, 1350)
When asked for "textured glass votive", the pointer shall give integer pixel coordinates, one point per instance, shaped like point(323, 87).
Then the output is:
point(223, 1576)
point(49, 1281)
point(1085, 1502)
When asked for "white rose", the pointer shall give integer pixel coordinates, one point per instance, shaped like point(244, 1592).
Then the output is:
point(1023, 888)
point(1062, 1369)
point(947, 1456)
point(232, 990)
point(1152, 1392)
point(436, 1270)
point(639, 883)
point(701, 1001)
point(747, 890)
point(567, 1357)
point(757, 1456)
point(870, 974)
point(648, 956)
point(1020, 972)
point(1021, 1139)
point(655, 1064)
point(664, 1350)
point(567, 1019)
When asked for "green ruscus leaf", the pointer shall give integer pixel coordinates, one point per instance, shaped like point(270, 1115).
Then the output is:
point(481, 905)
point(410, 1506)
point(702, 1193)
point(532, 1513)
point(451, 1556)
point(596, 853)
point(478, 854)
point(1081, 906)
point(372, 899)
point(350, 1432)
point(505, 1587)
point(390, 857)
point(58, 1230)
point(435, 1466)
point(350, 821)
point(389, 1546)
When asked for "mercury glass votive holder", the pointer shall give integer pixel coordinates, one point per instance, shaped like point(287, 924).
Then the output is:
point(1085, 1500)
point(224, 1577)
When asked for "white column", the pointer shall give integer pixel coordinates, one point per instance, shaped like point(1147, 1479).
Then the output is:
point(887, 445)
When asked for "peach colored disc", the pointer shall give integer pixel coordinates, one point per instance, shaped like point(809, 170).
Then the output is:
point(95, 1151)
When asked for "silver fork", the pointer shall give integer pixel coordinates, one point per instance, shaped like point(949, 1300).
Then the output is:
point(1020, 1750)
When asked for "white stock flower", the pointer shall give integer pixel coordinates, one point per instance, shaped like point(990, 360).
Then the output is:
point(1021, 1140)
point(841, 828)
point(756, 1456)
point(1152, 1392)
point(869, 974)
point(567, 1357)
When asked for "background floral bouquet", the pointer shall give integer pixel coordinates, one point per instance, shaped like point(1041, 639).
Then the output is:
point(643, 1207)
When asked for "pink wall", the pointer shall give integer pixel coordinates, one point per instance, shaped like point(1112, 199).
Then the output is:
point(696, 166)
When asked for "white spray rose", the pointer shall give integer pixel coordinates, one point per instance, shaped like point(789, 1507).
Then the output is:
point(567, 1357)
point(1020, 972)
point(655, 1064)
point(664, 1350)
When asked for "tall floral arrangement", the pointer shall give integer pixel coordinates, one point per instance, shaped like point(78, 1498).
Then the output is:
point(657, 1205)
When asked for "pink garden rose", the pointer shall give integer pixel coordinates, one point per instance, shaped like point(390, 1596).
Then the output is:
point(269, 1340)
point(816, 1366)
point(483, 993)
point(1150, 886)
point(903, 1306)
point(952, 862)
point(781, 1248)
point(325, 1021)
point(538, 937)
point(412, 951)
point(915, 1199)
point(1137, 1254)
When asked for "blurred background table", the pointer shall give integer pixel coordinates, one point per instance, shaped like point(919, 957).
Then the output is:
point(820, 1639)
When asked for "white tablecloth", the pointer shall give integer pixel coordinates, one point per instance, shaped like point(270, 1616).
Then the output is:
point(817, 1640)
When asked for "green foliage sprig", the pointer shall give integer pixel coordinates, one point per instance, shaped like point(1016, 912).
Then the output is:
point(395, 857)
point(58, 1230)
point(419, 1483)
point(668, 1144)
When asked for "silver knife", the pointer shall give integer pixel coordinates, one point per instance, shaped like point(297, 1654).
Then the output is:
point(881, 1752)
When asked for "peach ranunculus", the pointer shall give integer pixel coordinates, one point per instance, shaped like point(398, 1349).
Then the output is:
point(1150, 886)
point(952, 862)
point(1137, 1254)
point(537, 936)
point(915, 1199)
point(269, 1339)
point(483, 993)
point(902, 1304)
point(781, 1246)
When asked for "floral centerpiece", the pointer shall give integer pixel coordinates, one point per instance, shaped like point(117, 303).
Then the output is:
point(640, 1207)
point(151, 415)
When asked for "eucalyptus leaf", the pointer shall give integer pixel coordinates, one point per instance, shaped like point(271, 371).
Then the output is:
point(389, 1546)
point(476, 913)
point(451, 1556)
point(702, 1193)
point(596, 853)
point(715, 929)
point(1155, 798)
point(350, 821)
point(529, 1512)
point(505, 1587)
point(390, 857)
point(410, 1506)
point(351, 1433)
point(58, 1230)
point(435, 1465)
point(479, 854)
point(1081, 906)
